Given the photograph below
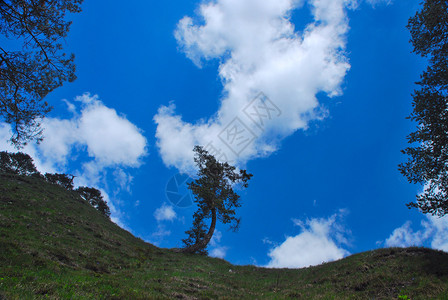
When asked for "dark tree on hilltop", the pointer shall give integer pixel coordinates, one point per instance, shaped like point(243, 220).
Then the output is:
point(215, 197)
point(94, 197)
point(64, 180)
point(428, 159)
point(17, 163)
point(34, 64)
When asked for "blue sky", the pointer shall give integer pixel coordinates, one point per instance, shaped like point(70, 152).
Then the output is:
point(155, 78)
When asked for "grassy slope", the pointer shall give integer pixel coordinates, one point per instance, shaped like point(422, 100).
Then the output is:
point(54, 245)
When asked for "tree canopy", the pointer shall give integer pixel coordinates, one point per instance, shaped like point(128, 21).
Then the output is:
point(17, 163)
point(35, 68)
point(94, 198)
point(428, 160)
point(215, 198)
point(63, 180)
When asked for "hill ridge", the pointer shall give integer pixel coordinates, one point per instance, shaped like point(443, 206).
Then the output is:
point(53, 245)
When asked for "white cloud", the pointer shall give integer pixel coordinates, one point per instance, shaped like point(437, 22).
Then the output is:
point(219, 252)
point(111, 139)
point(41, 164)
point(433, 231)
point(162, 214)
point(111, 142)
point(165, 213)
point(70, 106)
point(320, 241)
point(404, 236)
point(60, 136)
point(259, 51)
point(216, 238)
point(440, 236)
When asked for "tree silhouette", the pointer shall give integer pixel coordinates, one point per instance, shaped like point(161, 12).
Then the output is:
point(215, 198)
point(28, 73)
point(64, 180)
point(17, 163)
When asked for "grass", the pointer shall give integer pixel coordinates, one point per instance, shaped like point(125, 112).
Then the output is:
point(53, 245)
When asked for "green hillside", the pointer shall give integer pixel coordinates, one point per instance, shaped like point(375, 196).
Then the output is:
point(54, 245)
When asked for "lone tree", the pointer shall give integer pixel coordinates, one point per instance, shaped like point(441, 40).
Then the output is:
point(428, 159)
point(215, 197)
point(35, 64)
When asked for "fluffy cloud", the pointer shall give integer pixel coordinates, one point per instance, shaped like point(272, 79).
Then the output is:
point(404, 236)
point(320, 240)
point(109, 139)
point(165, 213)
point(259, 51)
point(434, 231)
point(219, 252)
point(96, 137)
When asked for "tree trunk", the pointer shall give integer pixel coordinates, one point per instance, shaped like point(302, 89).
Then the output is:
point(202, 244)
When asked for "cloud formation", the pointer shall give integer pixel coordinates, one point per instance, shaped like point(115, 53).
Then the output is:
point(165, 213)
point(321, 240)
point(219, 252)
point(259, 50)
point(109, 139)
point(434, 230)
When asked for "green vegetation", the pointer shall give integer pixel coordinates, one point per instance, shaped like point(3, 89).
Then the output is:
point(54, 245)
point(22, 164)
point(428, 157)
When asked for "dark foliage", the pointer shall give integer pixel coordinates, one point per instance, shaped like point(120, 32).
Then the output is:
point(29, 72)
point(17, 163)
point(63, 180)
point(94, 198)
point(196, 234)
point(215, 198)
point(428, 161)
